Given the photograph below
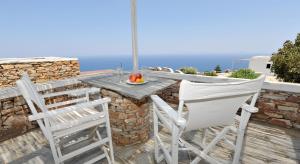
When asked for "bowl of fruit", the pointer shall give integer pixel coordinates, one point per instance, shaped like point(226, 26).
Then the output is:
point(136, 79)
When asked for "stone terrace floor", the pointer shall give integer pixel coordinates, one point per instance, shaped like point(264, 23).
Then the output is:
point(263, 144)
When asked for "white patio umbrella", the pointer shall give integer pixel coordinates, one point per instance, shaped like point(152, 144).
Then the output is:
point(134, 36)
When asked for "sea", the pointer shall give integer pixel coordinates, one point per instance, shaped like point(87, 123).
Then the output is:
point(201, 62)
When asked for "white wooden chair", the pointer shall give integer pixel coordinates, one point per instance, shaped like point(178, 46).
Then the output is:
point(62, 123)
point(209, 105)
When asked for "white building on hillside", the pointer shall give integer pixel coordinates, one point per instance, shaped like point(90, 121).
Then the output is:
point(261, 64)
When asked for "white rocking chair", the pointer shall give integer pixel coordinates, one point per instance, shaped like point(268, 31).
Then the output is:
point(66, 122)
point(209, 105)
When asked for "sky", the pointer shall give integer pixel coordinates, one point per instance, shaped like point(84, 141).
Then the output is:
point(78, 28)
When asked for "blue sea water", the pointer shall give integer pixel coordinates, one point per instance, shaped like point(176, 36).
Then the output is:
point(201, 62)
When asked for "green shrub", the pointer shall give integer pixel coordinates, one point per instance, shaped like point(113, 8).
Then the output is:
point(189, 70)
point(244, 74)
point(212, 73)
point(286, 62)
point(218, 69)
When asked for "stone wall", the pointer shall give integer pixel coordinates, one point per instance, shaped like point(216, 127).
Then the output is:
point(13, 109)
point(279, 108)
point(170, 94)
point(39, 69)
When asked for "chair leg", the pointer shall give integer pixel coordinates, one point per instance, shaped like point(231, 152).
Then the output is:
point(53, 150)
point(111, 151)
point(51, 143)
point(240, 136)
point(108, 130)
point(238, 148)
point(174, 146)
point(104, 148)
point(155, 129)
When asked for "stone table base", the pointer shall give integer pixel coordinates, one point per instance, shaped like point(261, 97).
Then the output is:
point(129, 118)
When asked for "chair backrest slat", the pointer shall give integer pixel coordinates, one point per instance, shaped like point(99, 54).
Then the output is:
point(215, 104)
point(30, 93)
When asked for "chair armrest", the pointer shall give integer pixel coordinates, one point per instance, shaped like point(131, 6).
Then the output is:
point(249, 108)
point(75, 92)
point(171, 113)
point(52, 113)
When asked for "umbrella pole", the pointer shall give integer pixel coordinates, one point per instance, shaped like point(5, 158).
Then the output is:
point(134, 36)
